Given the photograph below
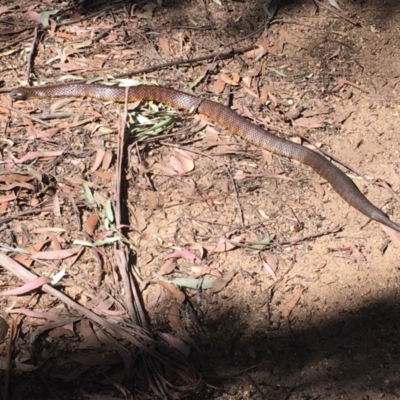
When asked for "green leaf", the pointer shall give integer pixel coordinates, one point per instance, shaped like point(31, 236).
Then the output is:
point(108, 240)
point(280, 73)
point(45, 17)
point(20, 250)
point(88, 195)
point(261, 53)
point(191, 283)
point(262, 244)
point(83, 243)
point(333, 3)
point(109, 211)
point(198, 79)
point(58, 276)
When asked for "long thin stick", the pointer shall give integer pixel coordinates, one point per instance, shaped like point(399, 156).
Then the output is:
point(216, 55)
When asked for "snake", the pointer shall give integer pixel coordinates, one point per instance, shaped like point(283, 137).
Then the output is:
point(226, 117)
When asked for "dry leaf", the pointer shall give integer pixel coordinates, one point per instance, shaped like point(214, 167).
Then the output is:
point(152, 200)
point(394, 236)
point(270, 270)
point(55, 241)
point(181, 164)
point(164, 170)
point(26, 260)
point(167, 267)
point(92, 222)
point(140, 221)
point(313, 122)
point(267, 158)
point(186, 153)
point(220, 283)
point(61, 332)
point(174, 317)
point(106, 175)
point(204, 270)
point(288, 308)
point(239, 174)
point(218, 86)
point(272, 261)
point(319, 111)
point(356, 253)
point(264, 94)
point(270, 47)
point(230, 80)
point(235, 76)
point(294, 204)
point(100, 153)
point(153, 296)
point(252, 53)
point(318, 187)
point(89, 337)
point(57, 254)
point(186, 254)
point(165, 45)
point(7, 198)
point(180, 296)
point(274, 99)
point(27, 287)
point(248, 88)
point(35, 314)
point(222, 246)
point(341, 117)
point(107, 159)
point(176, 343)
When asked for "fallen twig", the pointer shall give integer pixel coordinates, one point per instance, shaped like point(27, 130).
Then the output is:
point(337, 12)
point(213, 56)
point(31, 55)
point(26, 115)
point(285, 243)
point(161, 354)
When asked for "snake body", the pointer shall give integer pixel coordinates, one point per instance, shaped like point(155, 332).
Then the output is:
point(229, 119)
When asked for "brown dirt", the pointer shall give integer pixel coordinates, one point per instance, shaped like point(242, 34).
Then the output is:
point(324, 323)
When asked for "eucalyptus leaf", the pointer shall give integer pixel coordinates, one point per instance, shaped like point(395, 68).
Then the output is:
point(88, 195)
point(191, 283)
point(45, 17)
point(108, 240)
point(333, 3)
point(197, 80)
point(261, 53)
point(83, 243)
point(109, 211)
point(20, 250)
point(280, 73)
point(264, 242)
point(58, 276)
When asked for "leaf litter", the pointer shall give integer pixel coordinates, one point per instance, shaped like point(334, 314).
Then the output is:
point(90, 209)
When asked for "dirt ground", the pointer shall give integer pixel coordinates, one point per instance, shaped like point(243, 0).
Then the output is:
point(304, 297)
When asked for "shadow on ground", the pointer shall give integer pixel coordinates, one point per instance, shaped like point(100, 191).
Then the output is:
point(383, 10)
point(305, 358)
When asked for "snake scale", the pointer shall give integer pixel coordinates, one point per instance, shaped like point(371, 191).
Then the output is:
point(230, 120)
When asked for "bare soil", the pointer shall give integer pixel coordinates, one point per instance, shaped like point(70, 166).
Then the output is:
point(306, 299)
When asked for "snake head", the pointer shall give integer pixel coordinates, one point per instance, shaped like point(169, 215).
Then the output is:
point(18, 94)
